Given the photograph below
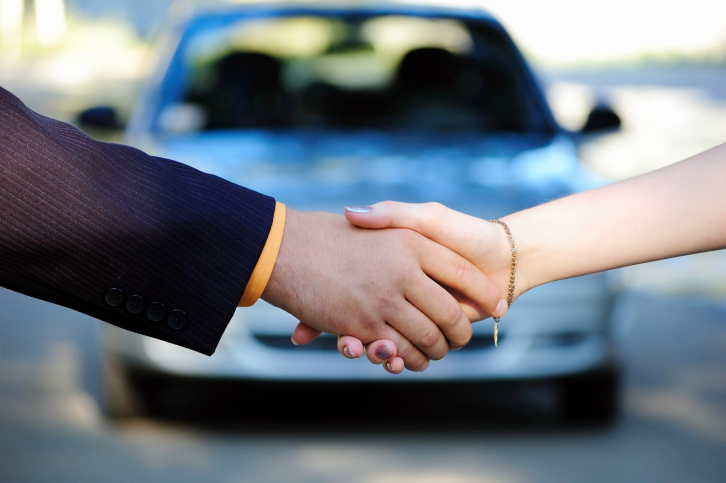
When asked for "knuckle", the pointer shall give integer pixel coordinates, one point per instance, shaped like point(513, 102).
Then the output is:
point(429, 337)
point(368, 325)
point(432, 210)
point(434, 207)
point(333, 324)
point(387, 303)
point(464, 273)
point(387, 204)
point(404, 349)
point(452, 315)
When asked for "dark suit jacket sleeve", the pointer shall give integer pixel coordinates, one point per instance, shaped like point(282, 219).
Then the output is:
point(79, 217)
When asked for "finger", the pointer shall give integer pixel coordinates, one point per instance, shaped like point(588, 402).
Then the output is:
point(418, 328)
point(350, 347)
point(394, 366)
point(432, 220)
point(380, 351)
point(413, 359)
point(453, 270)
point(384, 352)
point(304, 334)
point(442, 308)
point(472, 311)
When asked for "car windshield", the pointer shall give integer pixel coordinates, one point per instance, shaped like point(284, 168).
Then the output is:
point(362, 73)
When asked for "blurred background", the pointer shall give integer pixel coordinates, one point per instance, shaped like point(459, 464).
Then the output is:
point(661, 66)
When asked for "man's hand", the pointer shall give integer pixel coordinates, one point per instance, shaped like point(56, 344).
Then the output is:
point(376, 284)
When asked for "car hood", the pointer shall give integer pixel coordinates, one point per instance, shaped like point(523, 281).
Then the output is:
point(481, 175)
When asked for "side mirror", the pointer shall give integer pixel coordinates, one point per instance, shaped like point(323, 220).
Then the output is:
point(601, 118)
point(101, 117)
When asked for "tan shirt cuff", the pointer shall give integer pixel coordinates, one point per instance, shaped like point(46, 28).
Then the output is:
point(265, 264)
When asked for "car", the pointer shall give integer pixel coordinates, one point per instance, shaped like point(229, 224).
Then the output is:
point(324, 105)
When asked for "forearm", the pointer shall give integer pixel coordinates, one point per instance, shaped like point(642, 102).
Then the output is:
point(83, 219)
point(677, 210)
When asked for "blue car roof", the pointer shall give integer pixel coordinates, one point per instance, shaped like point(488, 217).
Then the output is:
point(188, 21)
point(341, 8)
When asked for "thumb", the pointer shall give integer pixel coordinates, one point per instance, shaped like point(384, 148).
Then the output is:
point(386, 214)
point(304, 334)
point(456, 231)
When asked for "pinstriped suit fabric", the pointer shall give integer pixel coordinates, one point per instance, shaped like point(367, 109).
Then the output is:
point(78, 217)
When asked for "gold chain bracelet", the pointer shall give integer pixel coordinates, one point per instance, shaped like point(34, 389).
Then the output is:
point(510, 296)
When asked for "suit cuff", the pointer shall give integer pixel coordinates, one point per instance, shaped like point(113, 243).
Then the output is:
point(261, 274)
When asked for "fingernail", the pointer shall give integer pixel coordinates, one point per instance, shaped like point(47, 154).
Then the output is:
point(384, 352)
point(358, 209)
point(424, 366)
point(389, 367)
point(348, 353)
point(501, 308)
point(293, 340)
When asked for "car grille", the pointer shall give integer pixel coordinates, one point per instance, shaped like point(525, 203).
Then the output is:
point(330, 343)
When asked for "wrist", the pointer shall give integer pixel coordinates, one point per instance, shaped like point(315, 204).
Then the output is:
point(279, 290)
point(527, 276)
point(267, 259)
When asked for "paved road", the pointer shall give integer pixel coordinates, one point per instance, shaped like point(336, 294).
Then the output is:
point(673, 426)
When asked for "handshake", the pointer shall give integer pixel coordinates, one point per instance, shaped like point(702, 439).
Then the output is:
point(407, 280)
point(404, 280)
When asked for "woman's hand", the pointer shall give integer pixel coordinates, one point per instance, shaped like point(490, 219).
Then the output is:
point(673, 211)
point(482, 243)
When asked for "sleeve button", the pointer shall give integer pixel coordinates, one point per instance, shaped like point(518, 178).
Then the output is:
point(177, 319)
point(114, 297)
point(135, 304)
point(156, 312)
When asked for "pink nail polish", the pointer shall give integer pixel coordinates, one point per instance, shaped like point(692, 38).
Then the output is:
point(358, 209)
point(384, 352)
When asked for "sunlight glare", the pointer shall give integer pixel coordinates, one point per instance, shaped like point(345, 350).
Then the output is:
point(11, 22)
point(50, 17)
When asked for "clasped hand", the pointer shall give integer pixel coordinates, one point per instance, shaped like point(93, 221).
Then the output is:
point(383, 292)
point(408, 293)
